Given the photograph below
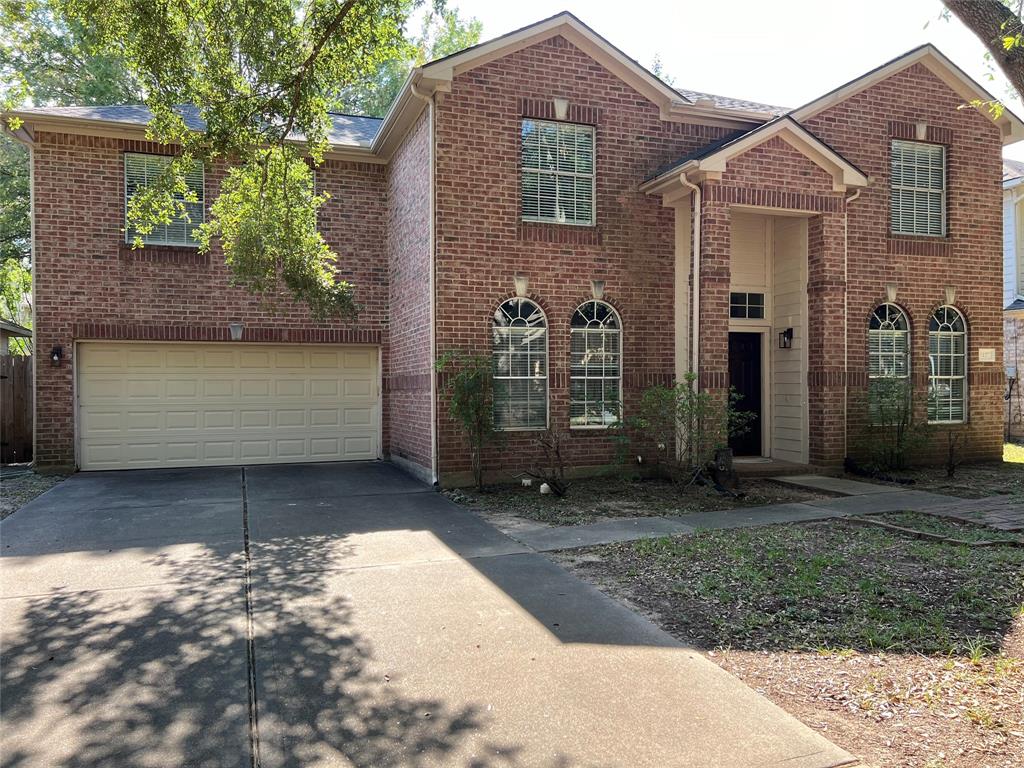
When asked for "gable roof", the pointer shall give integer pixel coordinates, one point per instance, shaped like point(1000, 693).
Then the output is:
point(671, 101)
point(937, 62)
point(1013, 171)
point(713, 158)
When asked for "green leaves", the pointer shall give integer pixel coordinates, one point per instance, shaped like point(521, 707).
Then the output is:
point(262, 74)
point(265, 219)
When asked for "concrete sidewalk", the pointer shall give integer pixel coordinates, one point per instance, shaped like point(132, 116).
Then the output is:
point(341, 616)
point(864, 498)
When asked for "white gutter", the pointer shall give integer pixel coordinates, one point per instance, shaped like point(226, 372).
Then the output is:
point(429, 100)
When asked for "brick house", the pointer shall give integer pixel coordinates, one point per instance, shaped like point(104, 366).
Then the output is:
point(542, 198)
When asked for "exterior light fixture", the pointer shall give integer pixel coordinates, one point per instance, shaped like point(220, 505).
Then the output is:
point(236, 331)
point(786, 339)
point(56, 355)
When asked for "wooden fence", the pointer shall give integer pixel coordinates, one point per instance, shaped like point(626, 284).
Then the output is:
point(15, 408)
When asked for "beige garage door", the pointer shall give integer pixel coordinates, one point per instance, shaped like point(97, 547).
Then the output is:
point(183, 405)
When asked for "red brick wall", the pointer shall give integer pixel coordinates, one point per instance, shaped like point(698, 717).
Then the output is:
point(481, 243)
point(408, 247)
point(969, 258)
point(88, 284)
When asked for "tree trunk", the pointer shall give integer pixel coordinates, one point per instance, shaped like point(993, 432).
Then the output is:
point(991, 21)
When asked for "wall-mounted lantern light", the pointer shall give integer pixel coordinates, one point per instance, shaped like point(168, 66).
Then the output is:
point(56, 355)
point(786, 339)
point(236, 331)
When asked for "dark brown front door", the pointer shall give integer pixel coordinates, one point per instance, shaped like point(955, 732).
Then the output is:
point(745, 380)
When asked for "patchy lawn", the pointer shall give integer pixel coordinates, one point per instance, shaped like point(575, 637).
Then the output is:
point(17, 491)
point(595, 498)
point(907, 653)
point(972, 481)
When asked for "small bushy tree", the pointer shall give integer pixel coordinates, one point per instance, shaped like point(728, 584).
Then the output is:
point(892, 431)
point(468, 385)
point(682, 426)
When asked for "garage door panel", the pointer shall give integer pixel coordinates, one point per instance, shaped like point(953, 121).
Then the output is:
point(187, 405)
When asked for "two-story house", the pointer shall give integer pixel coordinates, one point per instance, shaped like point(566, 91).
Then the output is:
point(544, 199)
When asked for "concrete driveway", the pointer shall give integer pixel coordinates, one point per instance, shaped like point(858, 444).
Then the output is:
point(337, 615)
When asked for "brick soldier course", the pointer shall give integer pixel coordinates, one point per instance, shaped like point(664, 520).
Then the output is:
point(425, 214)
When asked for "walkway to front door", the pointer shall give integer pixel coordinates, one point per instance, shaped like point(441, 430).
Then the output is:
point(338, 615)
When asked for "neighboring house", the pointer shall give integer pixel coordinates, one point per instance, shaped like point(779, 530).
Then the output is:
point(8, 331)
point(1013, 293)
point(544, 199)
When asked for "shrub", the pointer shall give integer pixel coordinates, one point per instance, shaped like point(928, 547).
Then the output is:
point(682, 426)
point(468, 386)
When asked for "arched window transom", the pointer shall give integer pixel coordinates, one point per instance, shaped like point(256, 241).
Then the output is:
point(947, 357)
point(595, 384)
point(519, 334)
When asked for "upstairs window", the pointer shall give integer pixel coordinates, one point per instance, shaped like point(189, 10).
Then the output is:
point(557, 172)
point(917, 203)
point(139, 172)
point(595, 349)
point(519, 346)
point(947, 356)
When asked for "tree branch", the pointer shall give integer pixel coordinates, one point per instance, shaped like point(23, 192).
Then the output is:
point(991, 21)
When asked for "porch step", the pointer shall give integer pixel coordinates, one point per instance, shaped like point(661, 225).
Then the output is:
point(760, 468)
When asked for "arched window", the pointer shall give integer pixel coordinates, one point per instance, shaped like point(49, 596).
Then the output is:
point(947, 357)
point(888, 364)
point(595, 383)
point(519, 343)
point(888, 343)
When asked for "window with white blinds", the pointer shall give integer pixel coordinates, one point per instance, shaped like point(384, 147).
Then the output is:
point(595, 381)
point(519, 346)
point(557, 172)
point(947, 357)
point(917, 202)
point(888, 362)
point(139, 172)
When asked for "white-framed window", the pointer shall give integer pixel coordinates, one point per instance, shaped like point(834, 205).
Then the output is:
point(917, 194)
point(557, 172)
point(519, 345)
point(888, 362)
point(140, 171)
point(947, 358)
point(746, 305)
point(595, 365)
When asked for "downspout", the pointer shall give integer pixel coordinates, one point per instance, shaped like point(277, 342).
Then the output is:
point(846, 322)
point(429, 100)
point(695, 202)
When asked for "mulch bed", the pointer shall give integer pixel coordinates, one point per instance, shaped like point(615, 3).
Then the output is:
point(906, 652)
point(971, 481)
point(599, 498)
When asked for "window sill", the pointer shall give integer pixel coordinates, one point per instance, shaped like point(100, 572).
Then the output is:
point(167, 254)
point(919, 245)
point(569, 234)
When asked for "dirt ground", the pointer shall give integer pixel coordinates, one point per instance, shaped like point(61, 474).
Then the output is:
point(971, 481)
point(17, 491)
point(907, 653)
point(600, 498)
